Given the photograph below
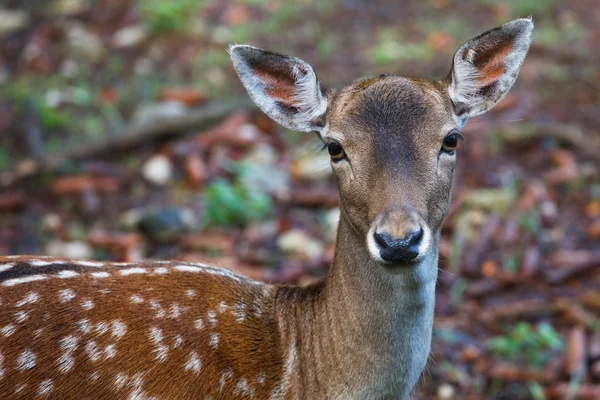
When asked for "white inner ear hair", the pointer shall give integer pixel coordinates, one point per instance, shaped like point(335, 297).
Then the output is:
point(308, 94)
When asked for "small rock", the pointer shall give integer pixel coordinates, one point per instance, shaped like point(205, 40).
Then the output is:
point(84, 44)
point(74, 249)
point(158, 170)
point(298, 242)
point(446, 392)
point(166, 225)
point(130, 36)
point(12, 20)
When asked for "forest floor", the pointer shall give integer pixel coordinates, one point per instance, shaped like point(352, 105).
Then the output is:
point(518, 301)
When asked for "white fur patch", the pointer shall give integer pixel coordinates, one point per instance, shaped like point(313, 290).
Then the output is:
point(214, 340)
point(8, 330)
point(25, 279)
point(26, 360)
point(30, 298)
point(6, 267)
point(67, 274)
point(132, 271)
point(100, 275)
point(45, 387)
point(118, 329)
point(65, 295)
point(193, 363)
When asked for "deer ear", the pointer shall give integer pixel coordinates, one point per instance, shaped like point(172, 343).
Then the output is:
point(285, 88)
point(486, 67)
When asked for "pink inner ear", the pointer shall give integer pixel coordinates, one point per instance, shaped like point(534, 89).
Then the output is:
point(279, 85)
point(490, 61)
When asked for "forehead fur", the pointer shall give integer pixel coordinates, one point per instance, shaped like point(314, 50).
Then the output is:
point(389, 105)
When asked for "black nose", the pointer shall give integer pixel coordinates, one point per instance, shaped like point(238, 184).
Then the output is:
point(399, 249)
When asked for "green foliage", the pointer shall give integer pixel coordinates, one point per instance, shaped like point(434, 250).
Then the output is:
point(235, 203)
point(390, 49)
point(526, 344)
point(526, 7)
point(168, 15)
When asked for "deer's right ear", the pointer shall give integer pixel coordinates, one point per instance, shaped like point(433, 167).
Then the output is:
point(285, 88)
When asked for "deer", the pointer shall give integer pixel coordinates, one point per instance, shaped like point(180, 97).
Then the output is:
point(74, 329)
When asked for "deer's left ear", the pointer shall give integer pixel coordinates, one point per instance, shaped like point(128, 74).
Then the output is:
point(486, 67)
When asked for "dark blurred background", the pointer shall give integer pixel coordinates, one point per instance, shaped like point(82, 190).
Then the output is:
point(125, 135)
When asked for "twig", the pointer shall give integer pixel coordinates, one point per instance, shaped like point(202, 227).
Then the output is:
point(126, 139)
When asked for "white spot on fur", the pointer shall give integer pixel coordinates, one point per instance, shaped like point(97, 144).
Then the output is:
point(91, 349)
point(69, 344)
point(161, 350)
point(212, 318)
point(222, 307)
point(190, 293)
point(101, 328)
point(188, 268)
point(30, 298)
point(178, 341)
point(21, 316)
point(199, 323)
point(25, 279)
point(243, 389)
point(239, 312)
point(45, 387)
point(1, 365)
point(225, 376)
point(105, 291)
point(20, 388)
point(161, 270)
point(87, 305)
point(120, 380)
point(6, 267)
point(132, 271)
point(94, 376)
point(155, 305)
point(84, 326)
point(66, 295)
point(110, 351)
point(260, 379)
point(100, 275)
point(94, 264)
point(40, 263)
point(65, 274)
point(136, 299)
point(65, 363)
point(118, 329)
point(175, 312)
point(8, 330)
point(26, 360)
point(214, 340)
point(193, 364)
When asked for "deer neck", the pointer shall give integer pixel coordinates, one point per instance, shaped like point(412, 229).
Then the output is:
point(369, 329)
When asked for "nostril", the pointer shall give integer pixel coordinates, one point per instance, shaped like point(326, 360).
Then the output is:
point(382, 239)
point(415, 237)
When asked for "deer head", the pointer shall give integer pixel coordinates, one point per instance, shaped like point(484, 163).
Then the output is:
point(392, 140)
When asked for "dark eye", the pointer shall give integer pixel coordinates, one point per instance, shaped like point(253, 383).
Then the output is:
point(335, 151)
point(450, 142)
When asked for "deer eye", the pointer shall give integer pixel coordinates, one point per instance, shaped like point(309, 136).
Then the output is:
point(450, 142)
point(335, 151)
